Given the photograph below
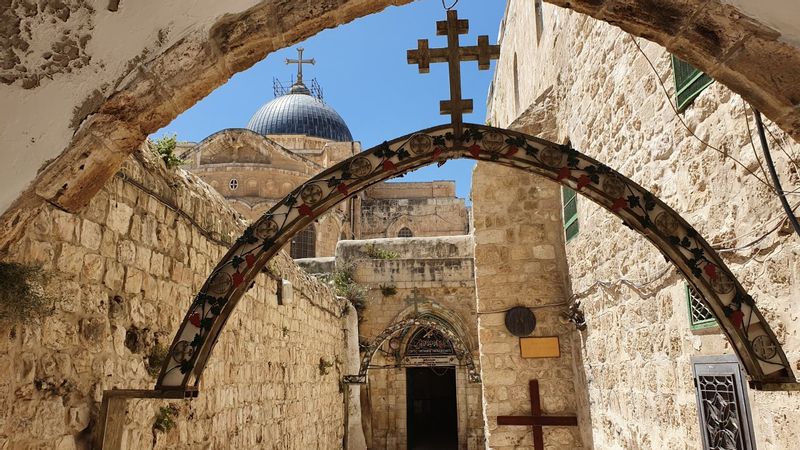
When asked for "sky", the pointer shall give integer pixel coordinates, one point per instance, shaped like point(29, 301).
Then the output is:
point(364, 75)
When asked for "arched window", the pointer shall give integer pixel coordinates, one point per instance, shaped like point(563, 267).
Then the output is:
point(304, 243)
point(234, 184)
point(405, 233)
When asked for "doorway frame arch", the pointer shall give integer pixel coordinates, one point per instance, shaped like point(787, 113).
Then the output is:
point(745, 327)
point(462, 351)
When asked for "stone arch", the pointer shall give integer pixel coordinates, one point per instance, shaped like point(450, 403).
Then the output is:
point(420, 321)
point(451, 318)
point(735, 310)
point(736, 50)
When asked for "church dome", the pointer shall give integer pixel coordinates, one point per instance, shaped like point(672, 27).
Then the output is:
point(298, 112)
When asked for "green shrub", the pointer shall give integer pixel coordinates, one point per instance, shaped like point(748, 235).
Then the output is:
point(165, 149)
point(345, 286)
point(165, 419)
point(375, 252)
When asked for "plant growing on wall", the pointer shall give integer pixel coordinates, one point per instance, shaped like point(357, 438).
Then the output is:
point(165, 418)
point(388, 290)
point(345, 286)
point(23, 293)
point(375, 252)
point(165, 149)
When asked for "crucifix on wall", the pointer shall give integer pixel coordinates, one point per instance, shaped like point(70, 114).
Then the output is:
point(453, 54)
point(536, 419)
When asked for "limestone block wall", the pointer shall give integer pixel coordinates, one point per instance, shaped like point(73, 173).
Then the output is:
point(430, 276)
point(587, 82)
point(125, 269)
point(519, 262)
point(427, 209)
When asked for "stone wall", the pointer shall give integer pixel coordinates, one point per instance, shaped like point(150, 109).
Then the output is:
point(125, 269)
point(426, 209)
point(429, 276)
point(587, 82)
point(519, 262)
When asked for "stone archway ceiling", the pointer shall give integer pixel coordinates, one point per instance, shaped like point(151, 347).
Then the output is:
point(735, 311)
point(461, 351)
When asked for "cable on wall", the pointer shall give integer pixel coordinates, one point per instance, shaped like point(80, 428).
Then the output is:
point(775, 179)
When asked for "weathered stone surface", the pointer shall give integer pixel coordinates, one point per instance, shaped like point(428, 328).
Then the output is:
point(635, 357)
point(120, 295)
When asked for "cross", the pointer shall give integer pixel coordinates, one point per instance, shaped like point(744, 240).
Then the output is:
point(536, 419)
point(300, 61)
point(423, 56)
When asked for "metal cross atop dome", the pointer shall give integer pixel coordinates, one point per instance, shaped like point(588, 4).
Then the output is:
point(300, 61)
point(453, 55)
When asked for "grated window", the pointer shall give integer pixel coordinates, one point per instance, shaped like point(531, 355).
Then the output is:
point(722, 405)
point(304, 244)
point(700, 316)
point(234, 184)
point(405, 233)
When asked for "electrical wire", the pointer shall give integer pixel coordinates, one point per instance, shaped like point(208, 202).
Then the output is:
point(692, 133)
point(775, 179)
point(448, 8)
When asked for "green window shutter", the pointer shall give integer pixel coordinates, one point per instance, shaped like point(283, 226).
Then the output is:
point(689, 82)
point(569, 203)
point(699, 315)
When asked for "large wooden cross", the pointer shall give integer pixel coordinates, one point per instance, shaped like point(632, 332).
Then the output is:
point(536, 419)
point(300, 61)
point(453, 55)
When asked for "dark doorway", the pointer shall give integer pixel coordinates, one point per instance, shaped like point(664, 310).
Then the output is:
point(432, 415)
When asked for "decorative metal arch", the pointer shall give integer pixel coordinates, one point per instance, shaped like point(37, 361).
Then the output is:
point(735, 311)
point(461, 350)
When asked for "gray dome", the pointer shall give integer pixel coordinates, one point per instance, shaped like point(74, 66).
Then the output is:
point(300, 113)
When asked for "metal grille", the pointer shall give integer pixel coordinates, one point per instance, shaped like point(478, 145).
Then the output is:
point(699, 314)
point(304, 243)
point(405, 233)
point(234, 184)
point(722, 404)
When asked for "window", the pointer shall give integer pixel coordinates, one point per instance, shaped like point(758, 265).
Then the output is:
point(569, 202)
point(722, 405)
point(234, 184)
point(689, 82)
point(405, 233)
point(699, 315)
point(537, 10)
point(304, 244)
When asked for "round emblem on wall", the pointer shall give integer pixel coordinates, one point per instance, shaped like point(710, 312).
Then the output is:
point(420, 143)
point(492, 141)
point(265, 229)
point(520, 321)
point(553, 157)
point(360, 167)
point(182, 352)
point(394, 344)
point(614, 187)
point(722, 283)
point(311, 194)
point(220, 284)
point(666, 223)
point(764, 348)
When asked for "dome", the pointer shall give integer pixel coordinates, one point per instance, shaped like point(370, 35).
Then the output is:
point(298, 112)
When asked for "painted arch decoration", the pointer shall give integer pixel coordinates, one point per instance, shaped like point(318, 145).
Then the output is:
point(735, 310)
point(461, 351)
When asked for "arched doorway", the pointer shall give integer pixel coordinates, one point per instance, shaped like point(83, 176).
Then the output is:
point(640, 210)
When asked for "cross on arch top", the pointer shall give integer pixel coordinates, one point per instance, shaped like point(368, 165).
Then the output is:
point(454, 54)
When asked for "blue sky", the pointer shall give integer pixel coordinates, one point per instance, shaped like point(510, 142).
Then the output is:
point(364, 75)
